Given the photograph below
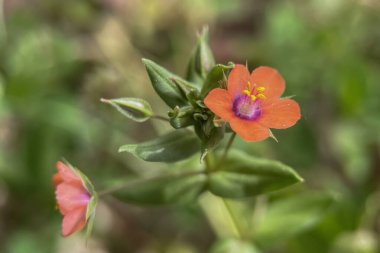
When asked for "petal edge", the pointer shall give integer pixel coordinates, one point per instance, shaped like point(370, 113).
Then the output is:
point(279, 113)
point(249, 131)
point(270, 79)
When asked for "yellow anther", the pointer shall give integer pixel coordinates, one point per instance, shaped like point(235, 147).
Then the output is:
point(260, 89)
point(261, 96)
point(253, 98)
point(247, 92)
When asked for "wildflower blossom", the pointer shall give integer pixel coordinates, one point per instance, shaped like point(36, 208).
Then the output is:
point(252, 104)
point(73, 198)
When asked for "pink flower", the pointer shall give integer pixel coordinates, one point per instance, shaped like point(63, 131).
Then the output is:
point(72, 197)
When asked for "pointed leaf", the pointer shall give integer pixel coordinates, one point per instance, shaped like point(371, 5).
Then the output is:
point(172, 147)
point(170, 91)
point(241, 175)
point(215, 78)
point(201, 61)
point(167, 189)
point(133, 108)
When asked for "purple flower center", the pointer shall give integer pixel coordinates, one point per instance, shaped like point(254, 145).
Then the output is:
point(84, 198)
point(244, 108)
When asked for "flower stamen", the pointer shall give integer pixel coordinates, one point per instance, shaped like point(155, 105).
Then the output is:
point(247, 92)
point(250, 91)
point(260, 89)
point(261, 96)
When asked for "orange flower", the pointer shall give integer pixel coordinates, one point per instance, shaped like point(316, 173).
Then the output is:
point(73, 198)
point(252, 103)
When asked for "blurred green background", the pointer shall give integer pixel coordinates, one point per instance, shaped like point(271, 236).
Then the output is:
point(58, 58)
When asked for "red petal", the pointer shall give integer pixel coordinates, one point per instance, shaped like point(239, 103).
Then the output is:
point(270, 79)
point(237, 80)
point(74, 221)
point(70, 197)
point(279, 113)
point(219, 102)
point(249, 130)
point(66, 173)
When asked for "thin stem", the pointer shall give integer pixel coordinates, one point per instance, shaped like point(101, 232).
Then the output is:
point(258, 212)
point(234, 219)
point(210, 168)
point(159, 117)
point(145, 181)
point(227, 148)
point(208, 162)
point(230, 141)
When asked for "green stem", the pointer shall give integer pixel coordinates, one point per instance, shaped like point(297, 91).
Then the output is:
point(230, 141)
point(209, 167)
point(208, 162)
point(160, 118)
point(234, 219)
point(225, 152)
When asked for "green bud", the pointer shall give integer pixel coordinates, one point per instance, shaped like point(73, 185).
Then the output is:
point(201, 61)
point(181, 117)
point(163, 84)
point(133, 108)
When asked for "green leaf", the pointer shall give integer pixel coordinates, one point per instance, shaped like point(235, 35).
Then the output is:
point(201, 61)
point(240, 175)
point(171, 147)
point(168, 86)
point(287, 217)
point(167, 189)
point(233, 245)
point(133, 108)
point(215, 78)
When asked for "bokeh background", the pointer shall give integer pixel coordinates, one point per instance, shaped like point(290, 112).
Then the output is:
point(58, 58)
